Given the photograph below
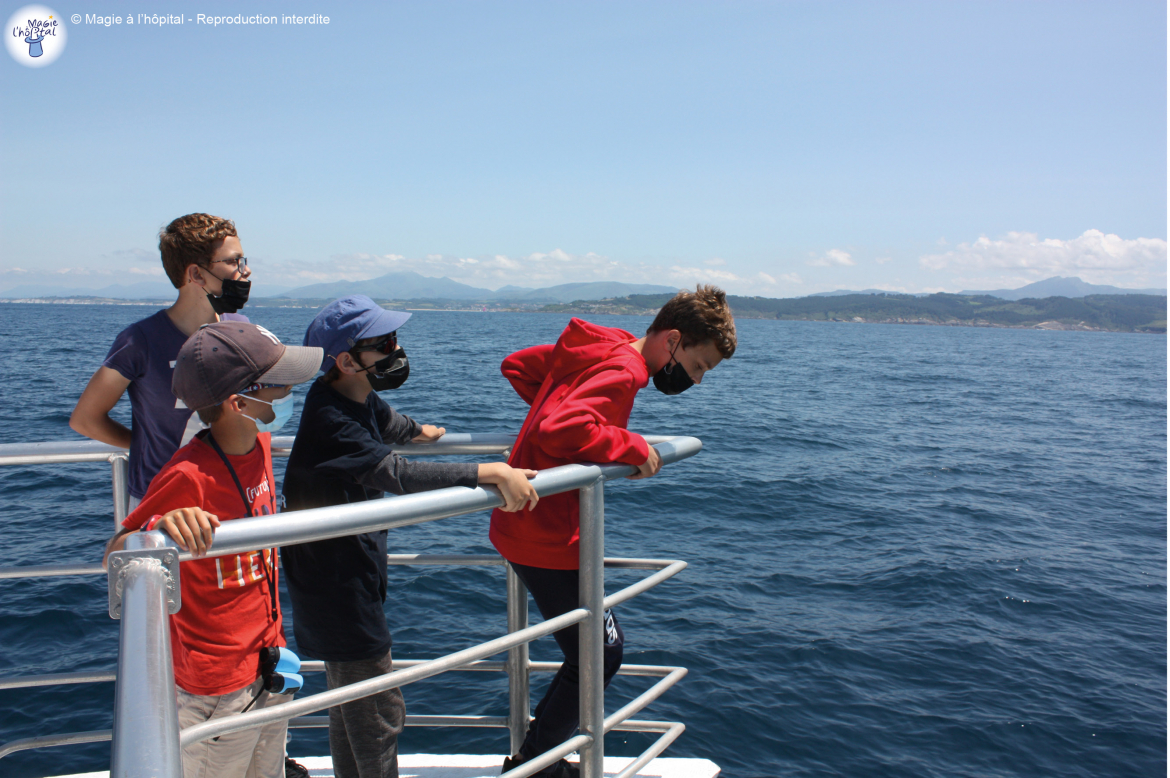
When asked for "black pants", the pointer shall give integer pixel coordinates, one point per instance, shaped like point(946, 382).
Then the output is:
point(558, 713)
point(363, 734)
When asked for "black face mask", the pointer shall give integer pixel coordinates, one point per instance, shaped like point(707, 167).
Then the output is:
point(672, 379)
point(233, 297)
point(389, 372)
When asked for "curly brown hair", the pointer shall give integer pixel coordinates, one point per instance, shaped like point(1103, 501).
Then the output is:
point(701, 316)
point(191, 240)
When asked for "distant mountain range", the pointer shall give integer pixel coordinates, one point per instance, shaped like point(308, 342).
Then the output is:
point(1059, 286)
point(146, 290)
point(392, 286)
point(412, 286)
point(843, 292)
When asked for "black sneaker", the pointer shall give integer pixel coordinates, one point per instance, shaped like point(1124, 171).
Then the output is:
point(294, 769)
point(560, 769)
point(563, 769)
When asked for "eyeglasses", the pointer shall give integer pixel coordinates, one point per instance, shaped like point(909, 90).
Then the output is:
point(239, 264)
point(385, 346)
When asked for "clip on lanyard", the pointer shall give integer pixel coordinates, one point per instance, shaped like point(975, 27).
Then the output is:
point(269, 567)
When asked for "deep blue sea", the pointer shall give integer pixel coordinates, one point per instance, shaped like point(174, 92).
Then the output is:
point(914, 551)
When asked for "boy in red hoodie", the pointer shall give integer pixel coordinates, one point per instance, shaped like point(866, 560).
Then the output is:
point(581, 392)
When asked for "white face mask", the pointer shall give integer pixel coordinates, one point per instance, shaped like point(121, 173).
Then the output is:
point(283, 409)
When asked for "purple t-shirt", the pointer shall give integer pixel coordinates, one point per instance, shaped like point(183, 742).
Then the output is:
point(145, 353)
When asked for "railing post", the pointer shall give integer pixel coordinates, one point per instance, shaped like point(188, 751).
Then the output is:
point(120, 474)
point(592, 629)
point(146, 719)
point(518, 693)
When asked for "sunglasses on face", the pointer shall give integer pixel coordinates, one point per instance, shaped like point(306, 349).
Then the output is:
point(384, 346)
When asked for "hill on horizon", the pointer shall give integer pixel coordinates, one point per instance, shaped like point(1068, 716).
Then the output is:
point(406, 285)
point(1057, 286)
point(409, 285)
point(1060, 286)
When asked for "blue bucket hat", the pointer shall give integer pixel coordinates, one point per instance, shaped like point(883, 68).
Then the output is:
point(344, 322)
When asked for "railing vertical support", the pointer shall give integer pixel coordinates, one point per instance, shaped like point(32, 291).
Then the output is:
point(592, 629)
point(146, 719)
point(519, 697)
point(120, 474)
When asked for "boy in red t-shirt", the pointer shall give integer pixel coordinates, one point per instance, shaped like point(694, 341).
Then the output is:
point(238, 377)
point(581, 391)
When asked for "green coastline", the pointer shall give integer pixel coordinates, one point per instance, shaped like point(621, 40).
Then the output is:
point(1096, 313)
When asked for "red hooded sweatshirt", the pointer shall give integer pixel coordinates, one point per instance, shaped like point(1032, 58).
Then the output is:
point(581, 391)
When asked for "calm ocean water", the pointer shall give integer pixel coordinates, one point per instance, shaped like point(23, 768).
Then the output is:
point(914, 551)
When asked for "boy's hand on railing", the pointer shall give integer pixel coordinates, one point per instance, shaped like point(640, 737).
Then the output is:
point(191, 528)
point(430, 433)
point(648, 468)
point(513, 483)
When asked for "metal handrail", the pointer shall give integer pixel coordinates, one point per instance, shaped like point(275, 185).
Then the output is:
point(484, 560)
point(309, 722)
point(312, 666)
point(144, 686)
point(295, 527)
point(451, 444)
point(411, 671)
point(74, 451)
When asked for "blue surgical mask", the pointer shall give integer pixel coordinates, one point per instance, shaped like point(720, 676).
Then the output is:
point(283, 409)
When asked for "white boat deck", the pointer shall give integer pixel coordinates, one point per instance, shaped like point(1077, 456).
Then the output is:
point(478, 766)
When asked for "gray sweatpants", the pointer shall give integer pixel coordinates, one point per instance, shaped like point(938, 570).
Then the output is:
point(363, 734)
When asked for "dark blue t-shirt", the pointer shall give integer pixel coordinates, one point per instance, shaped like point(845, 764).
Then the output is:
point(144, 354)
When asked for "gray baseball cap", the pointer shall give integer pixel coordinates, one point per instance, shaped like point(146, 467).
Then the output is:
point(226, 357)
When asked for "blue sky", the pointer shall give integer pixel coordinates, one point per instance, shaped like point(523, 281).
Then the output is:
point(776, 148)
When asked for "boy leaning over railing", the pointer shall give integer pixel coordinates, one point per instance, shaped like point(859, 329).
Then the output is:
point(581, 391)
point(239, 377)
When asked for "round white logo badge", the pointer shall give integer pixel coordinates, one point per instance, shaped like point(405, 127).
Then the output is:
point(35, 36)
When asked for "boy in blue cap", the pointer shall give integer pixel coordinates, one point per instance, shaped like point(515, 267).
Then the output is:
point(342, 455)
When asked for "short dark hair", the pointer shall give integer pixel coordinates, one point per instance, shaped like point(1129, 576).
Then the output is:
point(211, 414)
point(701, 316)
point(191, 240)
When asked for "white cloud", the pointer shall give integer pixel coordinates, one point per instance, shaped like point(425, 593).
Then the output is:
point(1094, 256)
point(534, 270)
point(538, 269)
point(883, 260)
point(833, 258)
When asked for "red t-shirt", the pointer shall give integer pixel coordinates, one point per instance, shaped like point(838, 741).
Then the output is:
point(226, 617)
